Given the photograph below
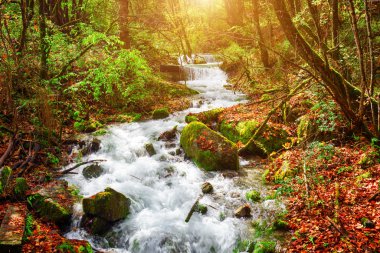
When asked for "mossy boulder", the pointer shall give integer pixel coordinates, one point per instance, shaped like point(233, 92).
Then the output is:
point(160, 113)
point(272, 139)
point(284, 171)
point(210, 118)
point(209, 149)
point(21, 187)
point(109, 205)
point(93, 171)
point(53, 201)
point(190, 118)
point(50, 209)
point(202, 209)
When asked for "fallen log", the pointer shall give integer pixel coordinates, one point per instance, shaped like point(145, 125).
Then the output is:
point(193, 208)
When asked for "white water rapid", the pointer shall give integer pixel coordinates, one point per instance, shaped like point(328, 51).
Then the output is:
point(164, 187)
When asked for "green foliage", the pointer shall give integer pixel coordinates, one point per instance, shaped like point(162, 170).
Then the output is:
point(253, 196)
point(244, 246)
point(66, 247)
point(85, 249)
point(29, 226)
point(327, 117)
point(124, 73)
point(265, 247)
point(52, 159)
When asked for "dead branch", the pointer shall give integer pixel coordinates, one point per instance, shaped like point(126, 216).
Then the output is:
point(80, 164)
point(193, 208)
point(9, 150)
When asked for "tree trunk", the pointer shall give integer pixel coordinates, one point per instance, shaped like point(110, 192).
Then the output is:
point(43, 43)
point(123, 23)
point(343, 92)
point(256, 20)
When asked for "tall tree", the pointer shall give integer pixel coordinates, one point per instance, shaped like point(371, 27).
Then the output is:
point(123, 23)
point(256, 20)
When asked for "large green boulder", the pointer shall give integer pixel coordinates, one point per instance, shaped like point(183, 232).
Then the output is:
point(109, 205)
point(21, 187)
point(209, 149)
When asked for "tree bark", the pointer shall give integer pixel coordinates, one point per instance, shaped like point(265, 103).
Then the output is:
point(256, 20)
point(43, 42)
point(123, 23)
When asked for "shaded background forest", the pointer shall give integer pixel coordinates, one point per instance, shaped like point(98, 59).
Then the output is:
point(62, 59)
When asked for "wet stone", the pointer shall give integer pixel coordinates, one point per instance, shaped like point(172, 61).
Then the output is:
point(93, 171)
point(207, 188)
point(243, 211)
point(150, 149)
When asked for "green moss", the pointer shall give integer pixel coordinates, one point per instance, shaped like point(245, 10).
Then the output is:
point(160, 113)
point(281, 225)
point(304, 128)
point(49, 209)
point(191, 118)
point(284, 171)
point(109, 205)
point(265, 247)
point(243, 132)
point(66, 247)
point(100, 132)
point(5, 176)
point(201, 209)
point(85, 249)
point(20, 188)
point(208, 149)
point(253, 196)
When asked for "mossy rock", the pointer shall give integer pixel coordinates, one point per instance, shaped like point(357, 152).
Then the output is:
point(284, 171)
point(281, 225)
point(96, 225)
point(92, 171)
point(50, 209)
point(190, 118)
point(92, 126)
point(150, 149)
point(20, 188)
point(305, 128)
point(210, 117)
point(272, 140)
point(109, 205)
point(53, 201)
point(207, 188)
point(5, 176)
point(209, 149)
point(253, 196)
point(160, 113)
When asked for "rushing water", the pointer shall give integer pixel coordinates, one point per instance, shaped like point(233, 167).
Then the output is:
point(164, 187)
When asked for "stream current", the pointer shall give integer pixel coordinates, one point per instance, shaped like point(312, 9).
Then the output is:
point(164, 187)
